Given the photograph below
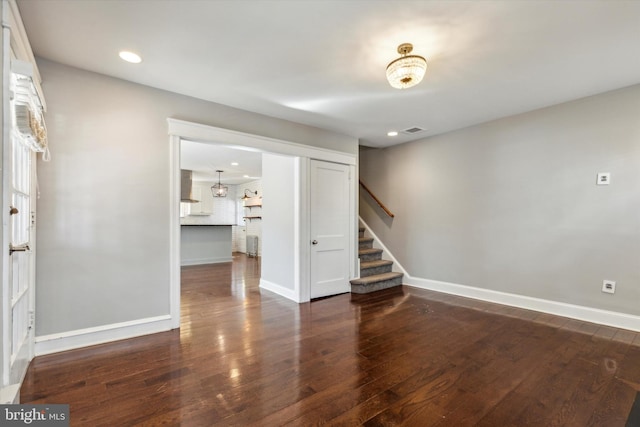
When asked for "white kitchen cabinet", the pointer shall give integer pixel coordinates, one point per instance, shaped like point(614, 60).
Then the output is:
point(203, 194)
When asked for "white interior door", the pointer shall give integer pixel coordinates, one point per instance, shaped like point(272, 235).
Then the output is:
point(330, 220)
point(18, 292)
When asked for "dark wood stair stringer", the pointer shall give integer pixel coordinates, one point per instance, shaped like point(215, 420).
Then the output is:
point(375, 273)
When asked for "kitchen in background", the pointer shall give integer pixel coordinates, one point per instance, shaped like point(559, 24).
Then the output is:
point(212, 228)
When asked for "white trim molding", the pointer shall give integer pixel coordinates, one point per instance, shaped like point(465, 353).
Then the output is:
point(210, 260)
point(587, 314)
point(180, 129)
point(279, 290)
point(174, 231)
point(10, 394)
point(245, 141)
point(70, 340)
point(301, 233)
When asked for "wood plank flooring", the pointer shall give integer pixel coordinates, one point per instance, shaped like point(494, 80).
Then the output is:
point(401, 356)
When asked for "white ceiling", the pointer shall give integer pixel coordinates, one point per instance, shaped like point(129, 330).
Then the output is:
point(205, 159)
point(322, 62)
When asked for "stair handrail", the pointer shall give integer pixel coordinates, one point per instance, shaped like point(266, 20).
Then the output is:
point(373, 196)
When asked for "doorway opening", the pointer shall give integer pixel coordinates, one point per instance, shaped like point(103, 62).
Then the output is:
point(286, 219)
point(213, 227)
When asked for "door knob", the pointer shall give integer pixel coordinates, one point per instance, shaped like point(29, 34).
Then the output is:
point(12, 210)
point(314, 242)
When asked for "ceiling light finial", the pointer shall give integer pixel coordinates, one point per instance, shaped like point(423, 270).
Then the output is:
point(406, 71)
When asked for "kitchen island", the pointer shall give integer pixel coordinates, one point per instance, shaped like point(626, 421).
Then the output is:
point(205, 244)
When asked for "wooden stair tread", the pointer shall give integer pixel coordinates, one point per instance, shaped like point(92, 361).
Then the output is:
point(376, 278)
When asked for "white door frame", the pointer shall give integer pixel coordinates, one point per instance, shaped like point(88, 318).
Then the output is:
point(14, 45)
point(179, 129)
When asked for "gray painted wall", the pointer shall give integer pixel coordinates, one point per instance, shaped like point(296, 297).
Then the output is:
point(512, 205)
point(103, 215)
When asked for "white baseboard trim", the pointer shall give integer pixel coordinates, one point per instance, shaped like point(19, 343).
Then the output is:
point(10, 394)
point(587, 314)
point(201, 261)
point(70, 340)
point(278, 289)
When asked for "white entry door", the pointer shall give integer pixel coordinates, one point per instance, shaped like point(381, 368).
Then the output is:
point(330, 228)
point(18, 295)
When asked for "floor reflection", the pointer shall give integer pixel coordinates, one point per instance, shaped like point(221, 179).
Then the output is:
point(401, 356)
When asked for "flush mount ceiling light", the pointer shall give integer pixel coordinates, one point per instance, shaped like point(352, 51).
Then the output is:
point(134, 58)
point(408, 70)
point(219, 190)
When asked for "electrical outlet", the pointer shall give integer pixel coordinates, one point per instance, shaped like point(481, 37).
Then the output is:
point(609, 286)
point(604, 178)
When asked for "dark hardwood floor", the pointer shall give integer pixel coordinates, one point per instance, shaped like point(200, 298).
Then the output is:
point(401, 356)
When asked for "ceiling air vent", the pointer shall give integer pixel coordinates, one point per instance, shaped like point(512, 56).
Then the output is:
point(412, 130)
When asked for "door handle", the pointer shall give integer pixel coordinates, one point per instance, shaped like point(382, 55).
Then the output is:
point(13, 249)
point(314, 242)
point(13, 210)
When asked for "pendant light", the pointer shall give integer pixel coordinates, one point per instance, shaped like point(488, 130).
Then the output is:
point(219, 190)
point(408, 70)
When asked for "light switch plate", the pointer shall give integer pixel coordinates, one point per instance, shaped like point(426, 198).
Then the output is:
point(604, 178)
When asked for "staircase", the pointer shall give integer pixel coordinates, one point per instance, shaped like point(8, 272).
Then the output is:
point(375, 272)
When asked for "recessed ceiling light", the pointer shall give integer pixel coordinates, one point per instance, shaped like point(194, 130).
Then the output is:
point(130, 57)
point(392, 133)
point(245, 176)
point(235, 164)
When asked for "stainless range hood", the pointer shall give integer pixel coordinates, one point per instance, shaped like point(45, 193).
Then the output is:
point(185, 187)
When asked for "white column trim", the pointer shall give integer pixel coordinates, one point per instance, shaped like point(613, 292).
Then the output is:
point(174, 230)
point(354, 265)
point(303, 232)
